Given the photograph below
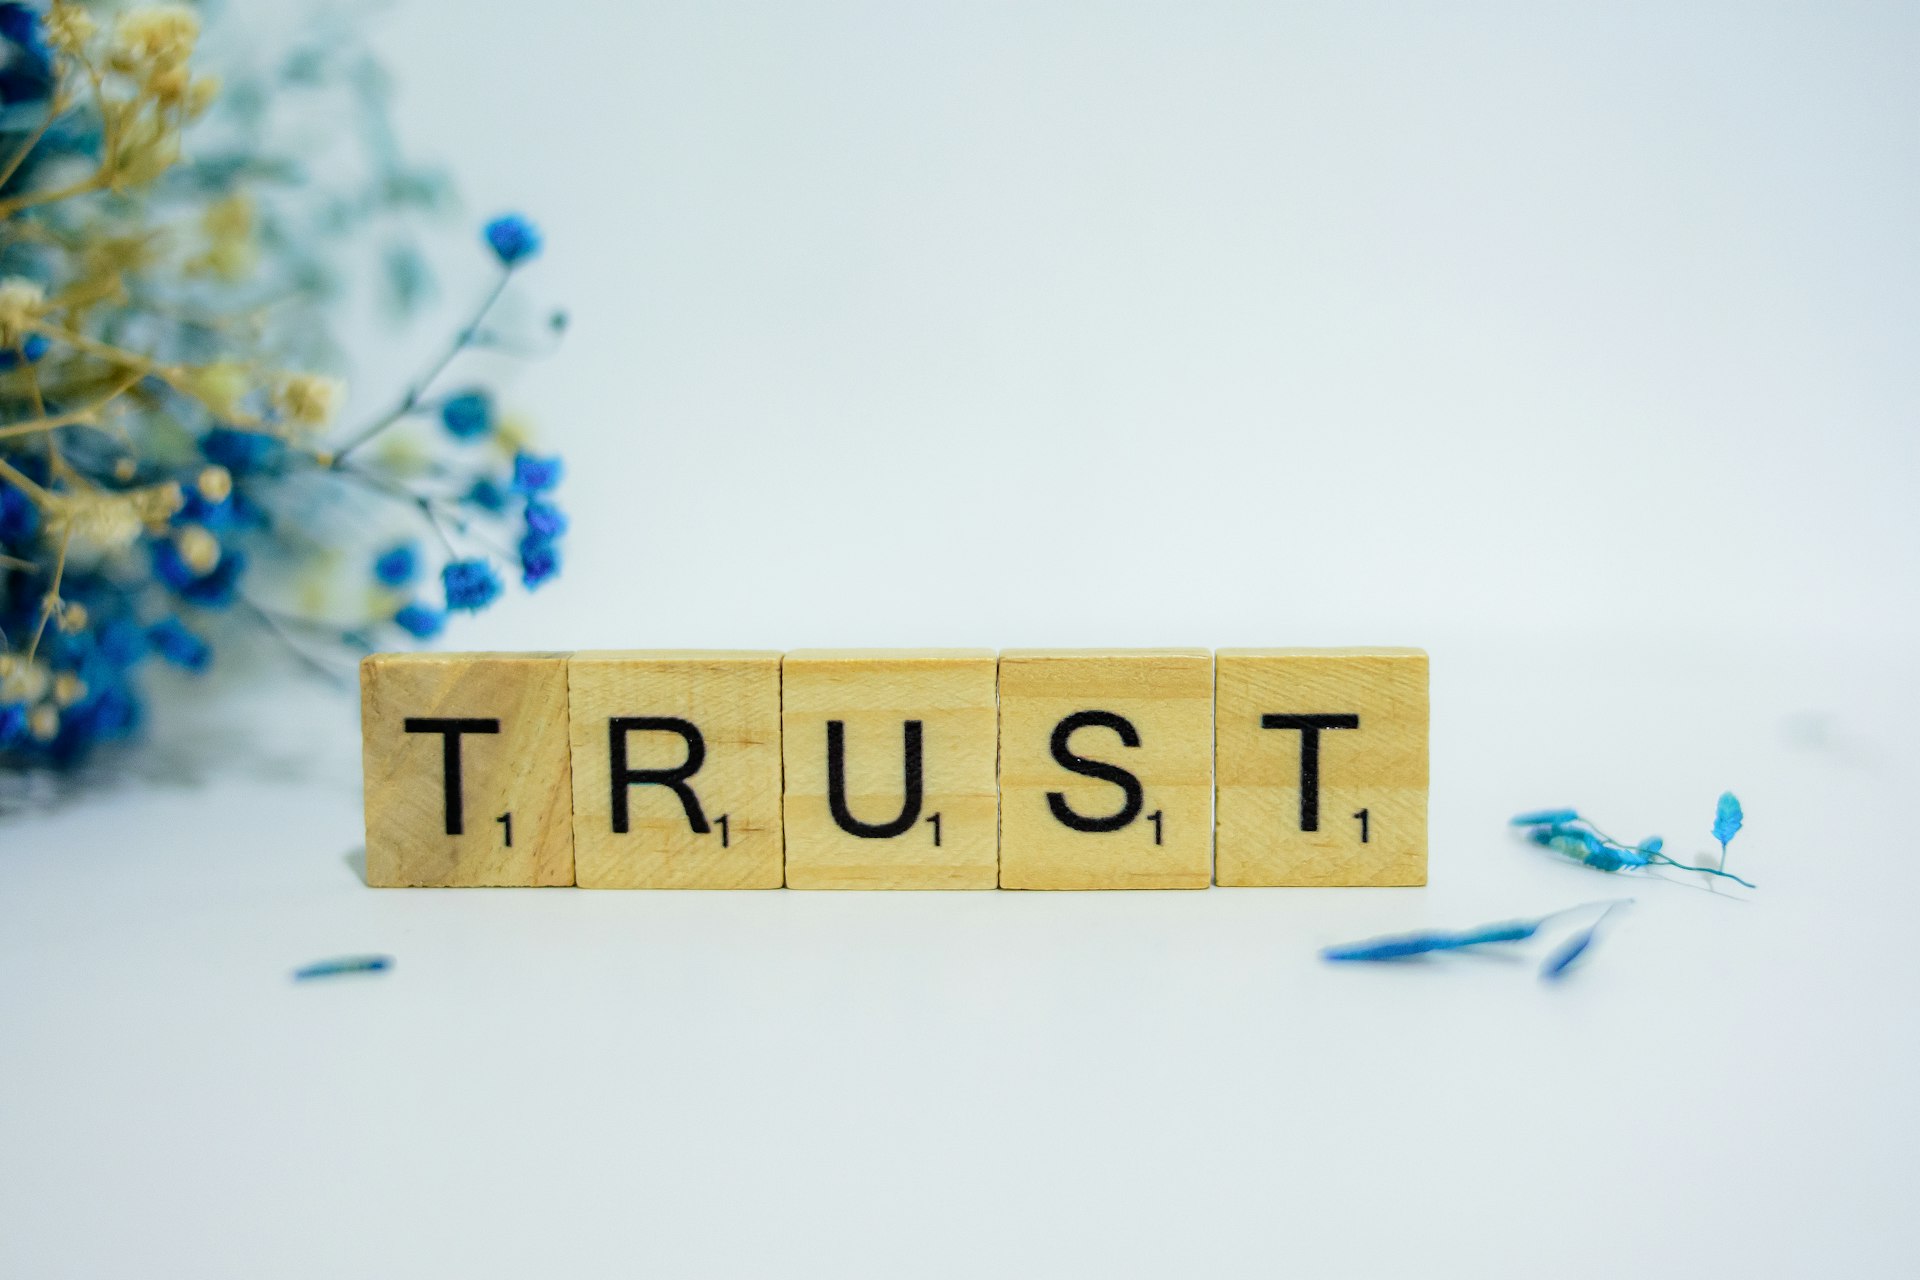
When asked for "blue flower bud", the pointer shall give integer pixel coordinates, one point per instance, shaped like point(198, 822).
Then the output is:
point(544, 520)
point(170, 639)
point(33, 348)
point(471, 585)
point(539, 560)
point(242, 452)
point(1727, 819)
point(397, 566)
point(1544, 818)
point(513, 239)
point(532, 475)
point(420, 622)
point(13, 723)
point(468, 415)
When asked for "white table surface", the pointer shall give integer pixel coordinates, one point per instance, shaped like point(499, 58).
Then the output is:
point(1214, 324)
point(556, 1082)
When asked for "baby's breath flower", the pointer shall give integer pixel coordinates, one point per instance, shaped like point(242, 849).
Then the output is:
point(154, 36)
point(307, 400)
point(148, 149)
point(22, 303)
point(199, 550)
point(70, 28)
point(73, 618)
point(44, 722)
point(231, 250)
point(220, 386)
point(513, 239)
point(68, 689)
point(471, 585)
point(101, 523)
point(22, 680)
point(214, 483)
point(156, 503)
point(200, 95)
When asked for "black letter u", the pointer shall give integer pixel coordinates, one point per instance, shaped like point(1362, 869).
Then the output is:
point(837, 785)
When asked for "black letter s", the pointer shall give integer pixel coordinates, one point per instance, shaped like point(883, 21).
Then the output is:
point(1063, 753)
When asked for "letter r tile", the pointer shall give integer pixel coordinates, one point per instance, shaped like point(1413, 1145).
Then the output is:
point(466, 769)
point(1322, 767)
point(676, 769)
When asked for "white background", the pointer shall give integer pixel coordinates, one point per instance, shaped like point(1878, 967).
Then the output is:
point(1576, 345)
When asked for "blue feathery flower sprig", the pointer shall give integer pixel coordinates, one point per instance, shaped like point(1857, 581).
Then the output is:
point(1410, 946)
point(1568, 833)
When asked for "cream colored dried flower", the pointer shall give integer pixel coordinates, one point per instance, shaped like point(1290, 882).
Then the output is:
point(22, 302)
point(73, 617)
point(198, 549)
point(231, 249)
point(157, 503)
point(307, 400)
point(98, 523)
point(220, 386)
point(44, 722)
point(93, 523)
point(68, 689)
point(158, 36)
point(148, 147)
point(214, 483)
point(200, 95)
point(70, 28)
point(22, 680)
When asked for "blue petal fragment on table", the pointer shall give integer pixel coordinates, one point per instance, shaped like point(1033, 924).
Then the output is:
point(341, 965)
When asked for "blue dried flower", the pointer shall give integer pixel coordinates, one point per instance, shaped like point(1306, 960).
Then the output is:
point(471, 585)
point(468, 415)
point(214, 589)
point(420, 622)
point(487, 495)
point(1580, 840)
point(1545, 818)
point(33, 348)
point(170, 639)
point(544, 520)
point(397, 566)
point(539, 560)
point(1402, 946)
point(513, 239)
point(13, 724)
point(243, 452)
point(26, 70)
point(1727, 821)
point(119, 643)
point(19, 518)
point(532, 475)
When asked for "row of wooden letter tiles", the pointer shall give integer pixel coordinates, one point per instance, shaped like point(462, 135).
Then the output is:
point(897, 769)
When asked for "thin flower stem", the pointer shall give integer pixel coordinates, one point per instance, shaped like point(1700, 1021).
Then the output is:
point(23, 482)
point(275, 628)
point(81, 417)
point(417, 392)
point(55, 109)
point(52, 600)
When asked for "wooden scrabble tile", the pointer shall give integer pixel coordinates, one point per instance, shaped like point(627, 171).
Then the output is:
point(1322, 767)
point(890, 769)
point(466, 769)
point(1106, 769)
point(676, 769)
